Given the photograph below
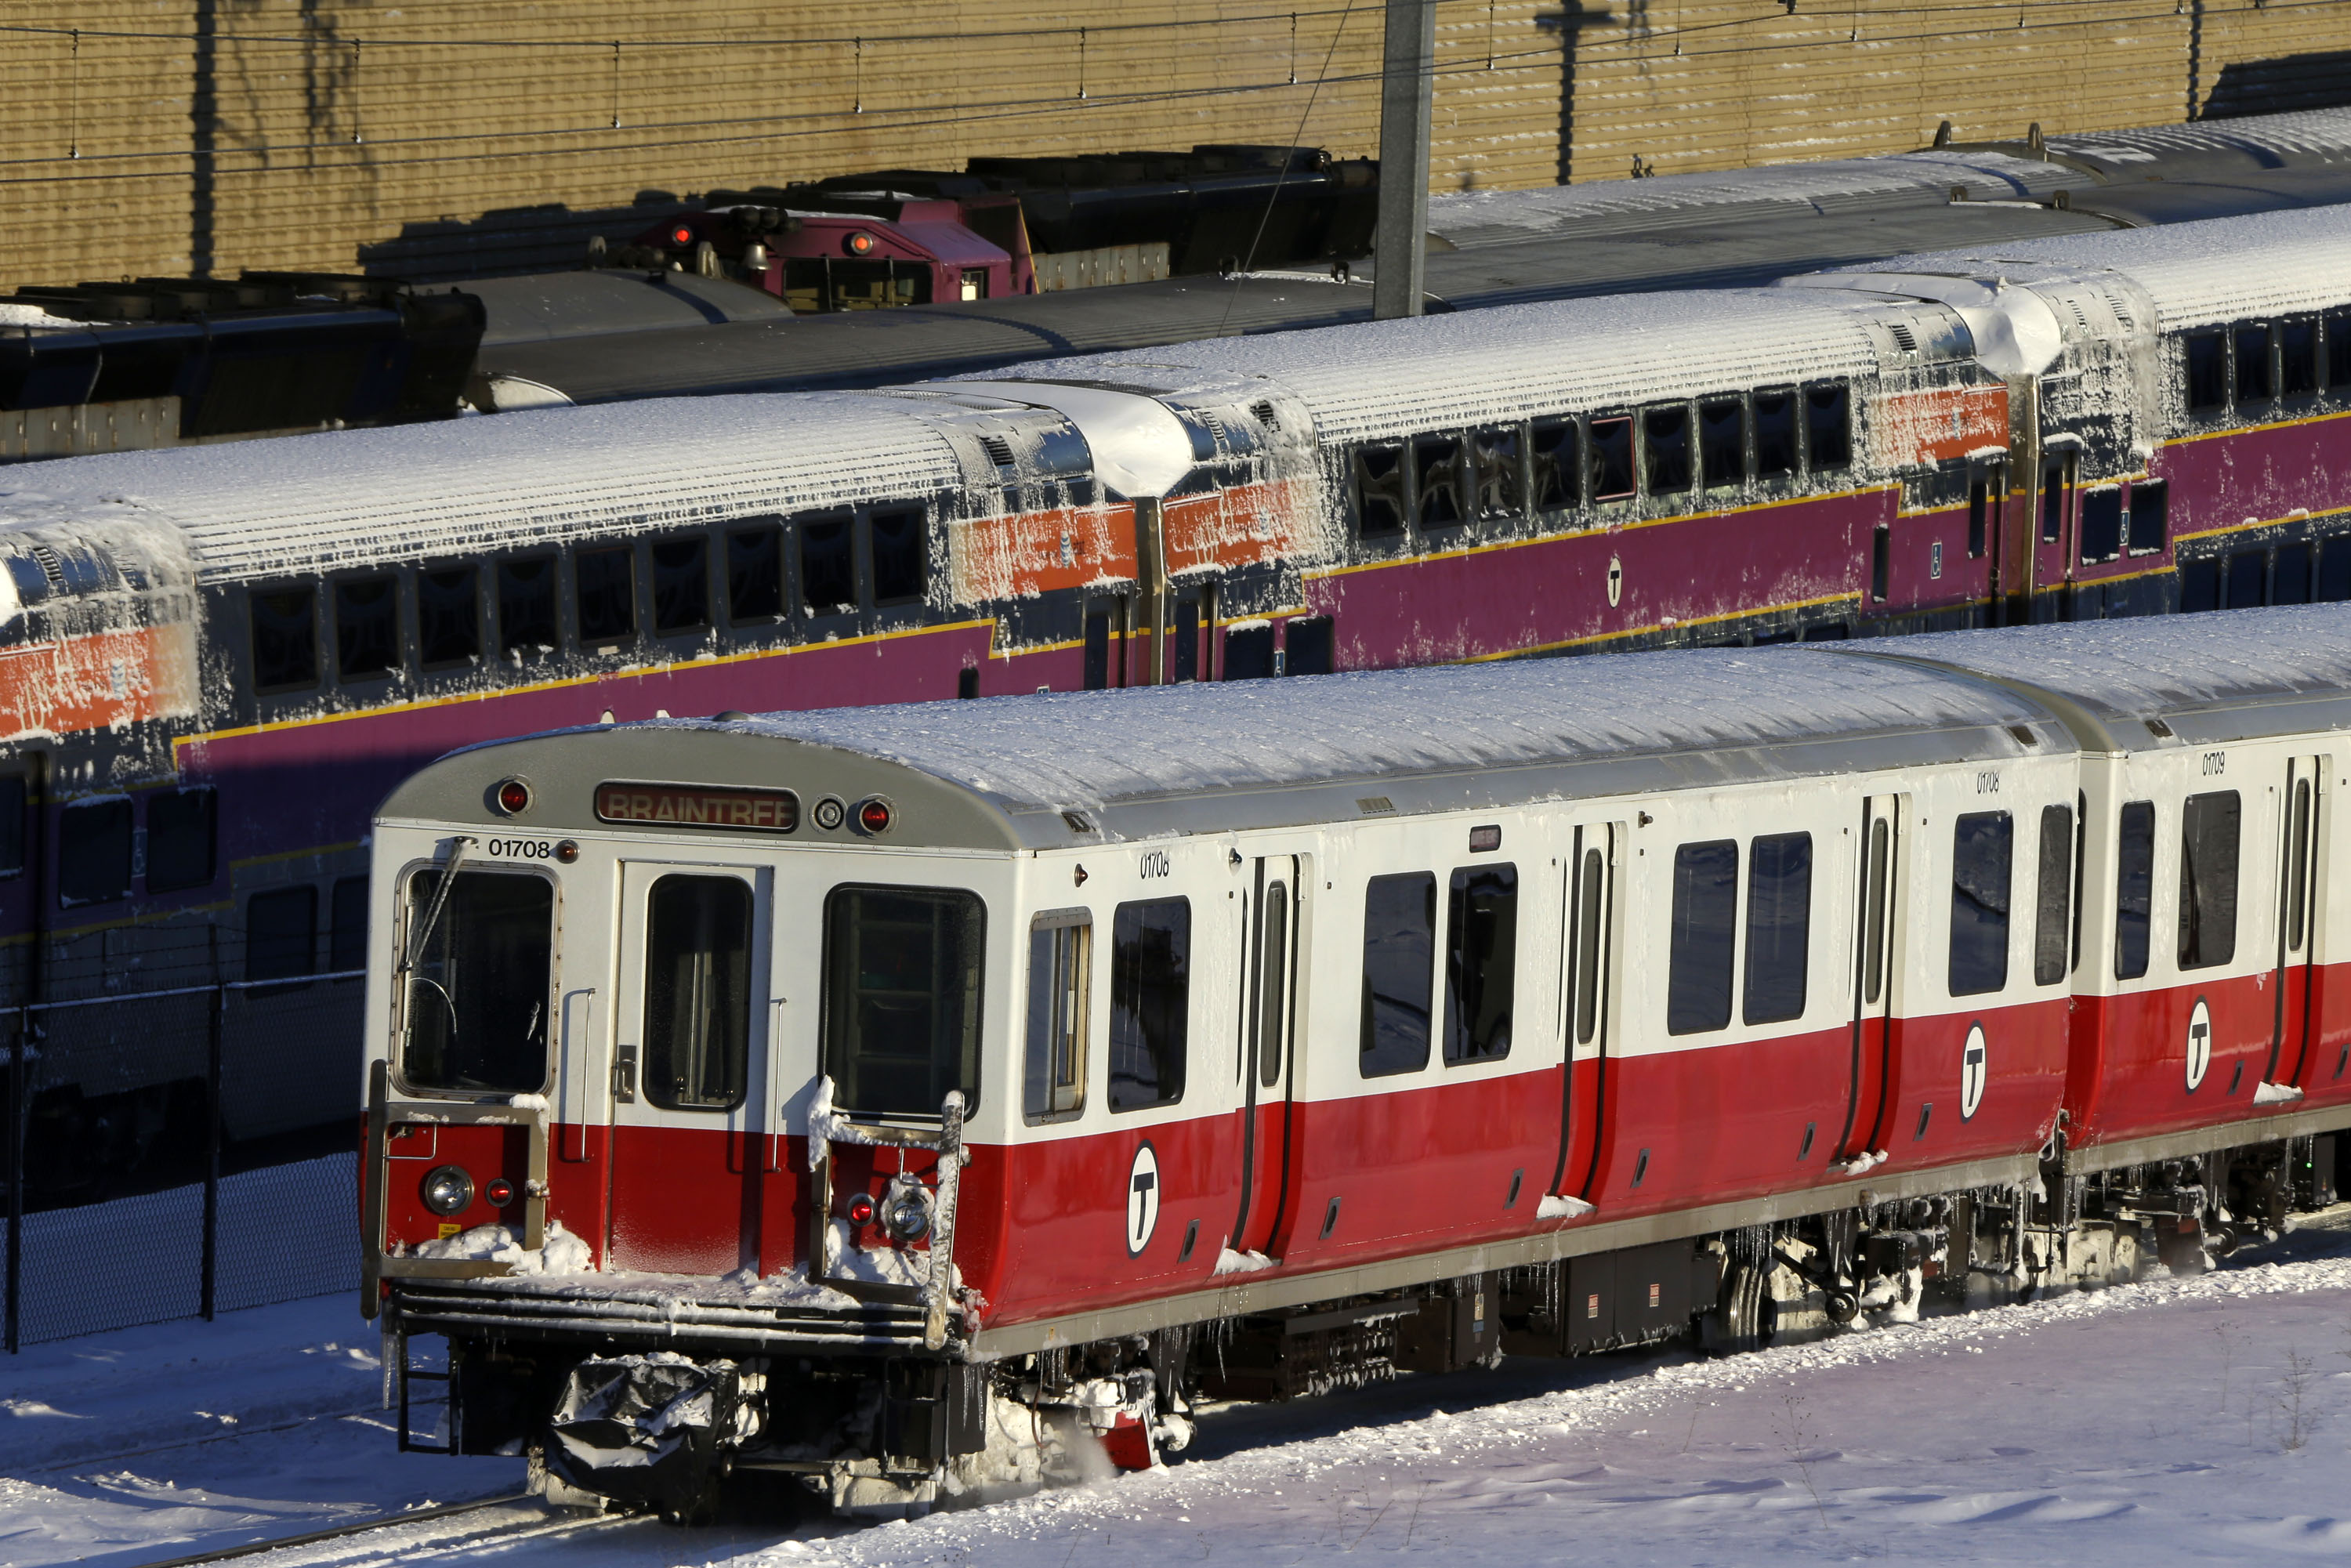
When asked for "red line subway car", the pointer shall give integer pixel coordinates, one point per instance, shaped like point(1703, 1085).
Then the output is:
point(890, 1098)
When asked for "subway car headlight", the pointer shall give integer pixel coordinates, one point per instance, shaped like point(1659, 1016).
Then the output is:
point(449, 1190)
point(907, 1216)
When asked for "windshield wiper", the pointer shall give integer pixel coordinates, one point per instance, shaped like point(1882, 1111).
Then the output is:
point(415, 953)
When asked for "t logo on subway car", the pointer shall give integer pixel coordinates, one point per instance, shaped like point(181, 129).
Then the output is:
point(689, 806)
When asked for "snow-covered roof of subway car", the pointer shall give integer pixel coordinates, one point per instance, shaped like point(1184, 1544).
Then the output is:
point(1215, 757)
point(260, 509)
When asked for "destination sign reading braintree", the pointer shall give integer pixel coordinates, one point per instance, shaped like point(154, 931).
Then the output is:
point(681, 806)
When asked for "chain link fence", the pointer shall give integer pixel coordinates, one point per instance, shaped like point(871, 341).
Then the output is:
point(178, 1152)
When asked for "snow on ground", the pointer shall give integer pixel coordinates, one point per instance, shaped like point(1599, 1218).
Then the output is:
point(2171, 1422)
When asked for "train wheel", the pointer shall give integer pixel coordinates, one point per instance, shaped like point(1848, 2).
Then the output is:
point(1739, 1320)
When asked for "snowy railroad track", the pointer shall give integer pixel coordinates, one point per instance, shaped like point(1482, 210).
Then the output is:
point(453, 1527)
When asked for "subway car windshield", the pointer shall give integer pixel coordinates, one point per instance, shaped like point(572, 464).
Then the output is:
point(477, 983)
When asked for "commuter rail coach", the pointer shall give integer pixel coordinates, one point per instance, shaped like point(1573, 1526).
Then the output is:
point(892, 1101)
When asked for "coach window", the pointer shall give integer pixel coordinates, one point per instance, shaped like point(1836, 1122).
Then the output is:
point(2052, 905)
point(1722, 442)
point(1060, 951)
point(1779, 926)
point(2208, 372)
point(285, 639)
point(14, 797)
point(2052, 503)
point(1706, 911)
point(448, 617)
point(1775, 433)
point(604, 589)
point(2252, 345)
point(1828, 428)
point(1481, 957)
point(526, 607)
point(1149, 1002)
point(754, 575)
point(94, 852)
point(2297, 358)
point(1379, 481)
point(828, 566)
point(347, 924)
point(479, 964)
point(1436, 471)
point(1591, 887)
point(2100, 528)
point(281, 934)
point(2208, 879)
point(681, 585)
point(1399, 952)
point(1666, 449)
point(1557, 446)
point(2338, 352)
point(2148, 519)
point(697, 1030)
point(902, 997)
point(366, 627)
point(1502, 472)
point(1611, 459)
point(1982, 851)
point(179, 836)
point(2134, 889)
point(899, 544)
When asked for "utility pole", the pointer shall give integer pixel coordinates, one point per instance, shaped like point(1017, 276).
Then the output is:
point(1408, 67)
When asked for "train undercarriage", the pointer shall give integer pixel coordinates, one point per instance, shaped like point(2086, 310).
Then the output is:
point(626, 1399)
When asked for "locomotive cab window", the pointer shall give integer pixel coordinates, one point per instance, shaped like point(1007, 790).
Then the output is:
point(604, 583)
point(697, 1025)
point(902, 998)
point(478, 966)
point(1779, 926)
point(1775, 433)
point(2134, 889)
point(1828, 428)
point(366, 627)
point(1706, 914)
point(448, 617)
point(754, 575)
point(1061, 949)
point(1399, 953)
point(2208, 879)
point(1481, 954)
point(1149, 1002)
point(526, 607)
point(828, 566)
point(681, 585)
point(1379, 485)
point(1982, 851)
point(285, 639)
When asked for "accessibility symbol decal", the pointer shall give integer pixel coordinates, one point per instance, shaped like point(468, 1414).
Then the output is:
point(1142, 1200)
point(1974, 1070)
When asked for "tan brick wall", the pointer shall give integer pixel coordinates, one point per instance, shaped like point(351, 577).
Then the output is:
point(338, 123)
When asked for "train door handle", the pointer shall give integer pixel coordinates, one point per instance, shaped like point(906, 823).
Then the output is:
point(624, 1074)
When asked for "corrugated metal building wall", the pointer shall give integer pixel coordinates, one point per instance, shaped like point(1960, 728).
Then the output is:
point(144, 137)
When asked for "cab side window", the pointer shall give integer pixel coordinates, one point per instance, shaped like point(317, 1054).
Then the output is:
point(1060, 951)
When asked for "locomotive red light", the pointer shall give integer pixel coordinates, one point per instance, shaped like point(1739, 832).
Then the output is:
point(860, 1209)
point(681, 235)
point(500, 1192)
point(873, 817)
point(514, 797)
point(858, 243)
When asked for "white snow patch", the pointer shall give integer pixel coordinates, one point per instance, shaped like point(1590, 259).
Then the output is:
point(1231, 1263)
point(563, 1253)
point(2276, 1093)
point(1554, 1207)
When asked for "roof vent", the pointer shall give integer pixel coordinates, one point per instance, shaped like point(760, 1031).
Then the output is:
point(1263, 413)
point(51, 567)
point(2160, 731)
point(1901, 332)
point(999, 450)
point(2023, 736)
point(1216, 425)
point(1375, 805)
point(1077, 821)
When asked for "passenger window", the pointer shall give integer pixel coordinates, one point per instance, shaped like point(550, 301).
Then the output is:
point(2297, 894)
point(902, 998)
point(2101, 525)
point(1611, 459)
point(1778, 925)
point(281, 934)
point(347, 925)
point(2297, 358)
point(1183, 631)
point(1775, 434)
point(94, 852)
point(1590, 888)
point(2134, 890)
point(1273, 985)
point(900, 572)
point(1481, 954)
point(180, 840)
point(2052, 503)
point(754, 575)
point(1558, 464)
point(1379, 490)
point(527, 606)
point(697, 1037)
point(2338, 352)
point(1437, 479)
point(828, 568)
point(1722, 441)
point(366, 627)
point(681, 585)
point(1061, 947)
point(2051, 907)
point(1501, 473)
point(1981, 856)
point(448, 618)
point(1979, 505)
point(1665, 450)
point(1149, 1002)
point(285, 639)
point(1828, 428)
point(1399, 949)
point(2148, 519)
point(1873, 952)
point(605, 594)
point(1705, 910)
point(2208, 372)
point(477, 991)
point(2252, 346)
point(2207, 880)
point(13, 798)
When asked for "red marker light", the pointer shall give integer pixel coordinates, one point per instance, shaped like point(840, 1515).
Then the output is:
point(500, 1191)
point(681, 236)
point(858, 243)
point(860, 1209)
point(514, 797)
point(873, 817)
